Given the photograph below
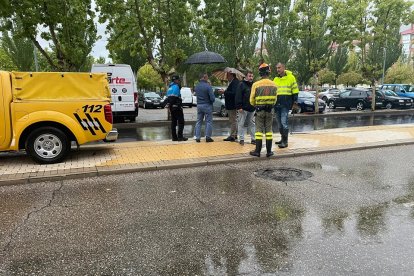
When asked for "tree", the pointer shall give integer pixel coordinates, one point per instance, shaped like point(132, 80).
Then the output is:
point(148, 78)
point(326, 76)
point(67, 26)
point(6, 63)
point(125, 56)
point(400, 73)
point(157, 29)
point(337, 62)
point(232, 24)
point(314, 47)
point(19, 50)
point(280, 35)
point(350, 78)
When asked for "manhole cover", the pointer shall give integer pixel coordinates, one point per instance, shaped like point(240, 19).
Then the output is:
point(283, 174)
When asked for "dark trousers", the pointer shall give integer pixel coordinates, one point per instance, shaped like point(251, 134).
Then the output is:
point(177, 118)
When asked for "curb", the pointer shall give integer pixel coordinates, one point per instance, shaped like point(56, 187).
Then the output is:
point(104, 171)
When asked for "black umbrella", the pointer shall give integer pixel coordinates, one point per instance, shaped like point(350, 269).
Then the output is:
point(205, 57)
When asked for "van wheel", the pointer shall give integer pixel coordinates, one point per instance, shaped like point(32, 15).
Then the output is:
point(132, 119)
point(190, 105)
point(48, 145)
point(388, 105)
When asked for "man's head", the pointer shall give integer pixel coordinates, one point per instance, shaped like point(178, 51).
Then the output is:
point(231, 76)
point(175, 79)
point(249, 76)
point(264, 70)
point(204, 76)
point(280, 68)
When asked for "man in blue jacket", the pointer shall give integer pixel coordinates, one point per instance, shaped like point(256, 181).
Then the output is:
point(205, 100)
point(175, 106)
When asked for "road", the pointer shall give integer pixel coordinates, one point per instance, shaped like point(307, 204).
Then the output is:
point(331, 214)
point(145, 132)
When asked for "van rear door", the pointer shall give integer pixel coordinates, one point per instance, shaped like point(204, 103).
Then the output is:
point(121, 83)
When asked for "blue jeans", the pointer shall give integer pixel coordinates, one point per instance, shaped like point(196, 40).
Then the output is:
point(204, 111)
point(282, 113)
point(246, 118)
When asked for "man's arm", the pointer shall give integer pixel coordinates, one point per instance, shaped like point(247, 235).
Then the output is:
point(239, 97)
point(211, 94)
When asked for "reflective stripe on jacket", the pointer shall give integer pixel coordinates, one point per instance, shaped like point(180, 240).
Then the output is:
point(287, 84)
point(263, 92)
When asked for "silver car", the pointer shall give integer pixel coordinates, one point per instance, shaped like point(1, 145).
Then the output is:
point(219, 105)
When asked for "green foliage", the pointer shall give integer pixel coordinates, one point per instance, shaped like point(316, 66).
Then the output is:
point(313, 52)
point(232, 24)
point(337, 63)
point(326, 77)
point(400, 73)
point(124, 56)
point(350, 79)
point(19, 50)
point(148, 78)
point(154, 29)
point(66, 25)
point(6, 63)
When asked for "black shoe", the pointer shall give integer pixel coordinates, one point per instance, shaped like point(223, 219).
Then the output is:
point(278, 142)
point(175, 139)
point(183, 139)
point(198, 140)
point(270, 154)
point(229, 139)
point(241, 142)
point(253, 142)
point(255, 153)
point(269, 148)
point(209, 140)
point(258, 149)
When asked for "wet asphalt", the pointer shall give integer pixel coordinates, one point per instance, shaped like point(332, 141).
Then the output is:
point(330, 214)
point(299, 124)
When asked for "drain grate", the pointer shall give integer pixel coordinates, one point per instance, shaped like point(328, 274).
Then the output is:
point(283, 174)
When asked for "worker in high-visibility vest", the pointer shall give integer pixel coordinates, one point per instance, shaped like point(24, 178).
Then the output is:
point(287, 96)
point(263, 98)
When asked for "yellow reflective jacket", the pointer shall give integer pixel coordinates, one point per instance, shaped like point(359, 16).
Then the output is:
point(263, 92)
point(286, 85)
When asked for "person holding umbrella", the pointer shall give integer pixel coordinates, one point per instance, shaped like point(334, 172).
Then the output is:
point(230, 103)
point(175, 106)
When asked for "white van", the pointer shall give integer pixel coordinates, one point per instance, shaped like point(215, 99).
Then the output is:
point(187, 96)
point(123, 88)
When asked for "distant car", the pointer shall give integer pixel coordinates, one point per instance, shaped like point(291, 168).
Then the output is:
point(194, 99)
point(392, 100)
point(150, 100)
point(402, 90)
point(219, 104)
point(327, 94)
point(358, 98)
point(306, 103)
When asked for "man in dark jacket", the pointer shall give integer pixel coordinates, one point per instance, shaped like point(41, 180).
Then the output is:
point(175, 106)
point(245, 109)
point(230, 103)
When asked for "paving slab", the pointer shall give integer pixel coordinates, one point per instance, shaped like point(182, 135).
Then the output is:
point(117, 158)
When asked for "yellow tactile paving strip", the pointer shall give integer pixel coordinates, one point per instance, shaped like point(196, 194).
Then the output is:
point(99, 159)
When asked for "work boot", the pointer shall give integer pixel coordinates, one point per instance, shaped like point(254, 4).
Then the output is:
point(281, 134)
point(269, 148)
point(174, 135)
point(229, 139)
point(209, 140)
point(180, 133)
point(258, 148)
point(284, 143)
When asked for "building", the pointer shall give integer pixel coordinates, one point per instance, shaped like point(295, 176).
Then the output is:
point(407, 43)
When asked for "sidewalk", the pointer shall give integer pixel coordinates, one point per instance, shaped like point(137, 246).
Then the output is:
point(104, 159)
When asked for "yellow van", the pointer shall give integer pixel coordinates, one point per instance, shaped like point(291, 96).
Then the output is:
point(44, 112)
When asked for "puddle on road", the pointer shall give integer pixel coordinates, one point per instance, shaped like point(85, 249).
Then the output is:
point(283, 174)
point(323, 167)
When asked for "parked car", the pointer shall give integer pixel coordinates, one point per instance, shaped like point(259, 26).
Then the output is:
point(392, 100)
point(402, 90)
point(358, 98)
point(150, 100)
point(327, 94)
point(218, 105)
point(306, 103)
point(194, 99)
